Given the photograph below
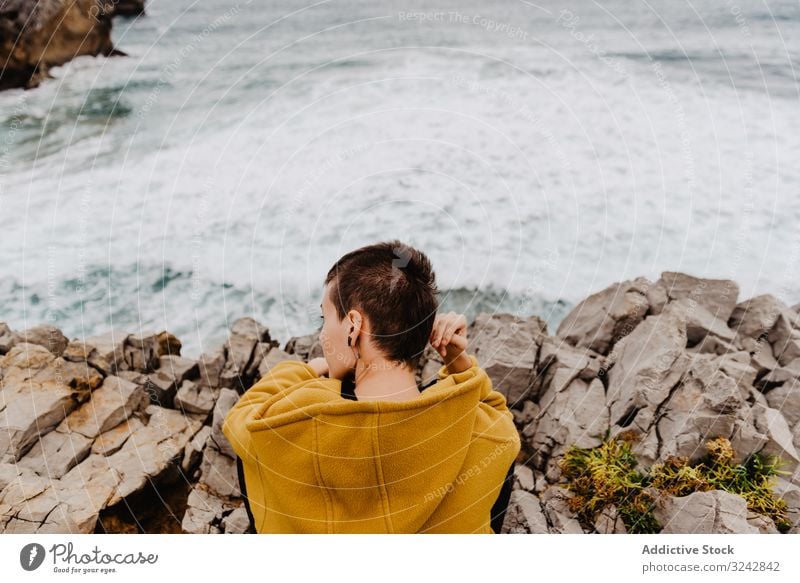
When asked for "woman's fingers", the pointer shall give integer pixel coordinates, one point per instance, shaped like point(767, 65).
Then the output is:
point(445, 326)
point(439, 326)
point(460, 325)
point(436, 332)
point(447, 332)
point(456, 325)
point(459, 341)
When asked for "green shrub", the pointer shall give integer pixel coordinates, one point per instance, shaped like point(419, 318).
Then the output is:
point(607, 475)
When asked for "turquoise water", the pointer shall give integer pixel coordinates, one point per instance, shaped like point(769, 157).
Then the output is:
point(537, 153)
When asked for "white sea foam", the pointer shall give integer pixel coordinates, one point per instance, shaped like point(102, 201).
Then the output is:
point(208, 176)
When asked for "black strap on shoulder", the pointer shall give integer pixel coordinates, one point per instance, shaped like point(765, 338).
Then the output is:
point(251, 527)
point(430, 384)
point(498, 514)
point(349, 389)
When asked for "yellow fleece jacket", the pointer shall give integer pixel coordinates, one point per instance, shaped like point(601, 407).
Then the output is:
point(316, 462)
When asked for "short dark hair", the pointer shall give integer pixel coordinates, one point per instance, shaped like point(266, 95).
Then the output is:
point(394, 286)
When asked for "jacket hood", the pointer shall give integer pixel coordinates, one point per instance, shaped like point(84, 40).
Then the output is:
point(316, 462)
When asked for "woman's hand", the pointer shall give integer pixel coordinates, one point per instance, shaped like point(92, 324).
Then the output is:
point(320, 365)
point(449, 338)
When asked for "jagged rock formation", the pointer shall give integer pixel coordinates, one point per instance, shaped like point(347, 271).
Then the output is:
point(119, 433)
point(678, 361)
point(125, 7)
point(36, 35)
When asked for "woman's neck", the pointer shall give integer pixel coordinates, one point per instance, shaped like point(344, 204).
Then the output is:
point(384, 381)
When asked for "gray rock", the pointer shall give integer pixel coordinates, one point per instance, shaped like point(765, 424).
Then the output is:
point(783, 374)
point(178, 367)
point(649, 363)
point(7, 338)
point(249, 328)
point(172, 372)
point(72, 504)
point(8, 473)
point(711, 512)
point(30, 408)
point(757, 316)
point(609, 521)
point(582, 362)
point(271, 358)
point(771, 423)
point(150, 450)
point(786, 352)
point(227, 398)
point(161, 389)
point(790, 493)
point(762, 358)
point(718, 296)
point(194, 398)
point(786, 399)
point(31, 506)
point(23, 362)
point(506, 347)
point(205, 512)
point(233, 375)
point(260, 351)
point(110, 348)
point(110, 405)
point(82, 352)
point(560, 517)
point(796, 434)
point(783, 333)
point(524, 515)
point(128, 7)
point(705, 332)
point(45, 335)
point(55, 453)
point(656, 296)
point(141, 352)
point(111, 441)
point(88, 488)
point(242, 360)
point(193, 452)
point(429, 366)
point(573, 411)
point(529, 412)
point(80, 376)
point(210, 365)
point(605, 317)
point(218, 472)
point(304, 347)
point(236, 522)
point(523, 478)
point(35, 36)
point(764, 524)
point(168, 344)
point(706, 403)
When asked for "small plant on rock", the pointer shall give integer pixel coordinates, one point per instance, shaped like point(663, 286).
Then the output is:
point(607, 475)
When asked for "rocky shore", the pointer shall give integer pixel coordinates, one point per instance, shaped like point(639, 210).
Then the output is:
point(120, 433)
point(35, 35)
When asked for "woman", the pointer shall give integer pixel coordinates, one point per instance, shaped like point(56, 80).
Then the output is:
point(350, 443)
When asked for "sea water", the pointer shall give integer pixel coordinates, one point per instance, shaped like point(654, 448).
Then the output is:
point(536, 151)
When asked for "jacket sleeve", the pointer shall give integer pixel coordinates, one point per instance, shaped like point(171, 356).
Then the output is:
point(279, 378)
point(491, 397)
point(464, 374)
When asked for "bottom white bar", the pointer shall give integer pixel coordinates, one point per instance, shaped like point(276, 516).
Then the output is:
point(380, 558)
